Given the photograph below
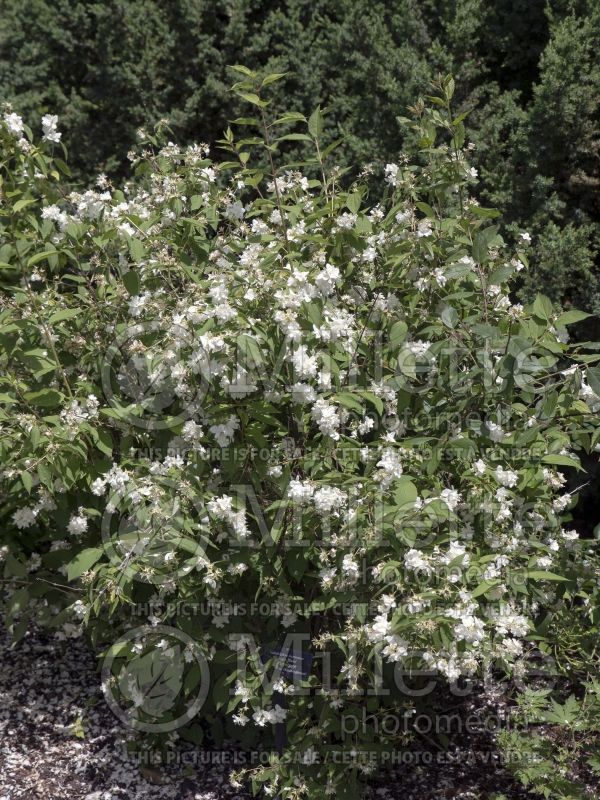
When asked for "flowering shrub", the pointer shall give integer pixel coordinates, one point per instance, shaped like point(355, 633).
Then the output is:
point(264, 414)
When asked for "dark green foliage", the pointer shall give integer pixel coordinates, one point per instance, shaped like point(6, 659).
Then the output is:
point(109, 68)
point(528, 68)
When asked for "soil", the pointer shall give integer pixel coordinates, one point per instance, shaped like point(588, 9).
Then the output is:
point(60, 741)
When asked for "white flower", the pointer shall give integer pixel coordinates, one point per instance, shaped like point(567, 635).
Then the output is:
point(512, 647)
point(98, 487)
point(395, 648)
point(277, 715)
point(380, 628)
point(560, 503)
point(506, 477)
point(79, 609)
point(224, 433)
point(508, 621)
point(496, 433)
point(328, 498)
point(14, 123)
point(391, 174)
point(242, 691)
point(261, 717)
point(366, 425)
point(470, 629)
point(455, 551)
point(570, 536)
point(305, 366)
point(78, 524)
point(327, 418)
point(479, 467)
point(350, 568)
point(439, 276)
point(424, 228)
point(346, 221)
point(418, 347)
point(24, 518)
point(222, 509)
point(138, 303)
point(300, 491)
point(389, 466)
point(413, 559)
point(235, 211)
point(303, 393)
point(191, 431)
point(54, 213)
point(208, 174)
point(49, 127)
point(326, 279)
point(451, 497)
point(327, 576)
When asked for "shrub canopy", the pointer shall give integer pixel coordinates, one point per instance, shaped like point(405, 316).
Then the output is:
point(300, 412)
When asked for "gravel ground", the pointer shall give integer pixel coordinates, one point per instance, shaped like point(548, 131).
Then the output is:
point(47, 685)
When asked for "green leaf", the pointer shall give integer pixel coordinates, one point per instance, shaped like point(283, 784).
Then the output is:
point(68, 313)
point(542, 307)
point(131, 279)
point(21, 204)
point(375, 401)
point(103, 441)
point(26, 480)
point(348, 400)
point(250, 97)
point(450, 317)
point(136, 249)
point(45, 475)
point(274, 76)
point(315, 123)
point(483, 241)
point(484, 213)
point(40, 257)
point(593, 378)
point(64, 168)
point(18, 602)
point(249, 351)
point(47, 398)
point(14, 568)
point(292, 116)
point(405, 492)
point(294, 137)
point(83, 561)
point(242, 70)
point(353, 202)
point(156, 677)
point(541, 575)
point(484, 587)
point(569, 317)
point(560, 460)
point(398, 333)
point(427, 210)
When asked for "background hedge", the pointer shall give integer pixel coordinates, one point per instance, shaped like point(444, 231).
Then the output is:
point(529, 68)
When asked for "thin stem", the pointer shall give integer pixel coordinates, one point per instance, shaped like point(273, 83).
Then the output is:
point(274, 175)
